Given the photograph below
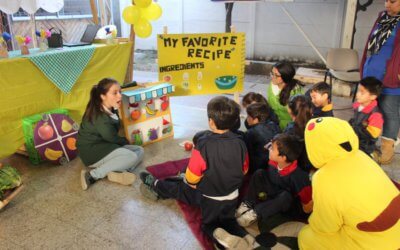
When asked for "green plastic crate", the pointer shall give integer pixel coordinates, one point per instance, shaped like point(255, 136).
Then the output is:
point(28, 127)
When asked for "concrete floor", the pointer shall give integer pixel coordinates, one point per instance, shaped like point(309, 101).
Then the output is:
point(52, 212)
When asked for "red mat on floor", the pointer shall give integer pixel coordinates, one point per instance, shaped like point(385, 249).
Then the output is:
point(191, 214)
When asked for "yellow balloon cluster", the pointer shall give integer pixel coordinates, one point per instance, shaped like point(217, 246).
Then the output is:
point(140, 15)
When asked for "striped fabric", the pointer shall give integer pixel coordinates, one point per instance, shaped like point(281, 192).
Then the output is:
point(143, 94)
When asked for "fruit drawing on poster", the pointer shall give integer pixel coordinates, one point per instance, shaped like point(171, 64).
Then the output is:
point(202, 63)
point(55, 138)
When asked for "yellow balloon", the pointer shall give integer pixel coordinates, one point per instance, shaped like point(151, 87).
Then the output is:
point(153, 12)
point(142, 3)
point(131, 14)
point(143, 28)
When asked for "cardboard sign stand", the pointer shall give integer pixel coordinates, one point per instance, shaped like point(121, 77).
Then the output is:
point(146, 113)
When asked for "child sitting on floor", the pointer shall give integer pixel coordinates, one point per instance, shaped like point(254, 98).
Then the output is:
point(261, 129)
point(253, 97)
point(214, 174)
point(281, 188)
point(320, 95)
point(367, 121)
point(300, 110)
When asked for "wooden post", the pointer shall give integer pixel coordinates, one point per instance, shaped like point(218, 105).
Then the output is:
point(347, 36)
point(33, 30)
point(236, 93)
point(129, 72)
point(94, 12)
point(103, 18)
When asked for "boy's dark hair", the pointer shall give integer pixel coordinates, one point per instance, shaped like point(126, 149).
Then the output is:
point(224, 112)
point(373, 85)
point(253, 97)
point(322, 88)
point(289, 146)
point(258, 110)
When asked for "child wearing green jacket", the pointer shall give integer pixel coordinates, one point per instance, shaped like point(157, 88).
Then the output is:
point(99, 145)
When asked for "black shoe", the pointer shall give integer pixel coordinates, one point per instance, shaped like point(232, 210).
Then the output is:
point(148, 192)
point(86, 179)
point(147, 179)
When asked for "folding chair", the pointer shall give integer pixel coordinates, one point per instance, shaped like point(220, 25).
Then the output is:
point(343, 64)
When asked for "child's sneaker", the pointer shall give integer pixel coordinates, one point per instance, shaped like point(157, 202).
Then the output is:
point(247, 218)
point(86, 179)
point(243, 208)
point(148, 192)
point(123, 178)
point(230, 241)
point(147, 179)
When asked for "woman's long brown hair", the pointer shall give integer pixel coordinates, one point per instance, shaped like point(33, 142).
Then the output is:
point(94, 106)
point(301, 108)
point(287, 72)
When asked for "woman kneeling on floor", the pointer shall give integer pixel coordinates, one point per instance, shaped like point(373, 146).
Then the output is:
point(99, 145)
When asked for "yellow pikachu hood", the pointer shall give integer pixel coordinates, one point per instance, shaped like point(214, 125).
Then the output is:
point(328, 139)
point(356, 205)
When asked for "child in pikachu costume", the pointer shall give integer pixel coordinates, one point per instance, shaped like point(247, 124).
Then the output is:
point(356, 205)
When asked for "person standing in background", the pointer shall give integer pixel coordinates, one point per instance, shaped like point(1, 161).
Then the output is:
point(381, 59)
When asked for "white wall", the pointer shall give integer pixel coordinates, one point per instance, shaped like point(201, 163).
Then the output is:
point(270, 34)
point(277, 36)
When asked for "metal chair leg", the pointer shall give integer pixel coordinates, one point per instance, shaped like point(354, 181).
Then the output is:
point(355, 92)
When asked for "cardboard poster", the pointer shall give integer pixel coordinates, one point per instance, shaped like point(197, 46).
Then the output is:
point(202, 63)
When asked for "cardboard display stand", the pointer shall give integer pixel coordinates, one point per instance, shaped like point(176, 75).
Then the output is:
point(146, 113)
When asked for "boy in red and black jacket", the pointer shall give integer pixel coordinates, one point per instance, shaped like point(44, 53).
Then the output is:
point(215, 171)
point(282, 188)
point(368, 120)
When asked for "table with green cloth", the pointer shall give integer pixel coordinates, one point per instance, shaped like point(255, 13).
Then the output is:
point(41, 82)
